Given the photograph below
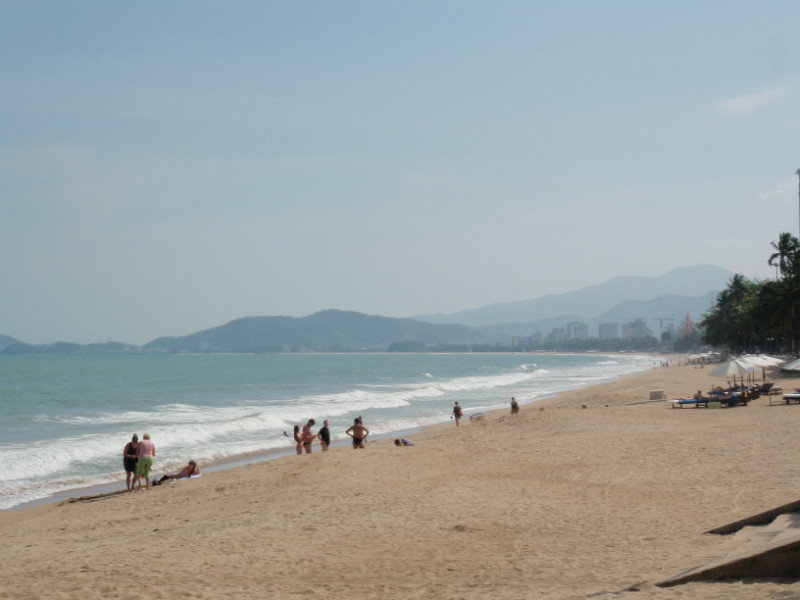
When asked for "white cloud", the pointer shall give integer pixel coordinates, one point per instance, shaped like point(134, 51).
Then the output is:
point(784, 193)
point(742, 106)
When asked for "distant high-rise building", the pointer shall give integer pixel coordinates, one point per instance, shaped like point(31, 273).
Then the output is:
point(636, 330)
point(577, 331)
point(608, 331)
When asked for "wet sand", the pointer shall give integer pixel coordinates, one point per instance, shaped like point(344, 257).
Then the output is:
point(557, 502)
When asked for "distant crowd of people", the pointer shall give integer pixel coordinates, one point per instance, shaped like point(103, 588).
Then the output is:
point(138, 455)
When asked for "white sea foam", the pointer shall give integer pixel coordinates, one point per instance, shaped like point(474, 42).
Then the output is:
point(88, 448)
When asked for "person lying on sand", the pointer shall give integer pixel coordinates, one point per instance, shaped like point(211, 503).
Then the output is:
point(190, 469)
point(403, 442)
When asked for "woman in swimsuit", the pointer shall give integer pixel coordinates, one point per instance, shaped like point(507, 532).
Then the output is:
point(308, 436)
point(188, 471)
point(129, 458)
point(359, 433)
point(298, 438)
point(457, 412)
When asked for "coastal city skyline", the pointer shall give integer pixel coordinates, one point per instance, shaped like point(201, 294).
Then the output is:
point(168, 168)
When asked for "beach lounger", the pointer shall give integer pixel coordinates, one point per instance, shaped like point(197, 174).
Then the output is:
point(735, 399)
point(697, 402)
point(766, 388)
point(792, 398)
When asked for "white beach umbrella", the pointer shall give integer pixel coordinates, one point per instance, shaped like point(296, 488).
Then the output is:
point(763, 362)
point(792, 366)
point(733, 367)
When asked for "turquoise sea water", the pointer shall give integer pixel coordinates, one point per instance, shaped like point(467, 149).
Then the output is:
point(65, 419)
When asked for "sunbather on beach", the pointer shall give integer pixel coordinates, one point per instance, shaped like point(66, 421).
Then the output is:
point(308, 436)
point(403, 442)
point(358, 432)
point(190, 469)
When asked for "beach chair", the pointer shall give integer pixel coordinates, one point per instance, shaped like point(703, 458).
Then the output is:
point(766, 388)
point(697, 402)
point(789, 398)
point(732, 399)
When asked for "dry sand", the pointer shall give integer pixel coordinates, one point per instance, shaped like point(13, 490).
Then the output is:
point(554, 503)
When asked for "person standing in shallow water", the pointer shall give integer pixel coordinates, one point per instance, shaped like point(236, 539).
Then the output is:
point(146, 453)
point(298, 439)
point(457, 412)
point(359, 433)
point(308, 435)
point(324, 436)
point(129, 459)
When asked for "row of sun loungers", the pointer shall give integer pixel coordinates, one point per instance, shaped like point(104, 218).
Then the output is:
point(725, 398)
point(735, 398)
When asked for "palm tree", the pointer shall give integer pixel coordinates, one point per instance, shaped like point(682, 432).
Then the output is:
point(787, 255)
point(787, 259)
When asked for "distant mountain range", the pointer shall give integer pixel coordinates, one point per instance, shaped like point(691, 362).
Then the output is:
point(594, 300)
point(658, 312)
point(670, 297)
point(661, 300)
point(326, 331)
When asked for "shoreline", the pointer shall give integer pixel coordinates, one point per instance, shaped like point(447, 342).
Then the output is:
point(222, 464)
point(557, 502)
point(243, 459)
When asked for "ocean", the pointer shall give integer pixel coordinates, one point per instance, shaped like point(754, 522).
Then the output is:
point(64, 420)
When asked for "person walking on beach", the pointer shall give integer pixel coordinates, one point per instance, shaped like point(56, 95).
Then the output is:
point(324, 436)
point(457, 412)
point(129, 459)
point(359, 433)
point(146, 453)
point(308, 436)
point(514, 406)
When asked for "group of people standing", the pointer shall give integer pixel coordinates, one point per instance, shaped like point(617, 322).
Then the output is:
point(305, 437)
point(137, 458)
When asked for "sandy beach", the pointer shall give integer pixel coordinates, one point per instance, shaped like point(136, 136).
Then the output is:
point(557, 502)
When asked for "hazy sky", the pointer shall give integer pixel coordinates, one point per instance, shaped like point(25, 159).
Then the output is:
point(170, 166)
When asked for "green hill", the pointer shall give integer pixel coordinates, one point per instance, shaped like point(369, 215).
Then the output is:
point(69, 348)
point(326, 331)
point(6, 341)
